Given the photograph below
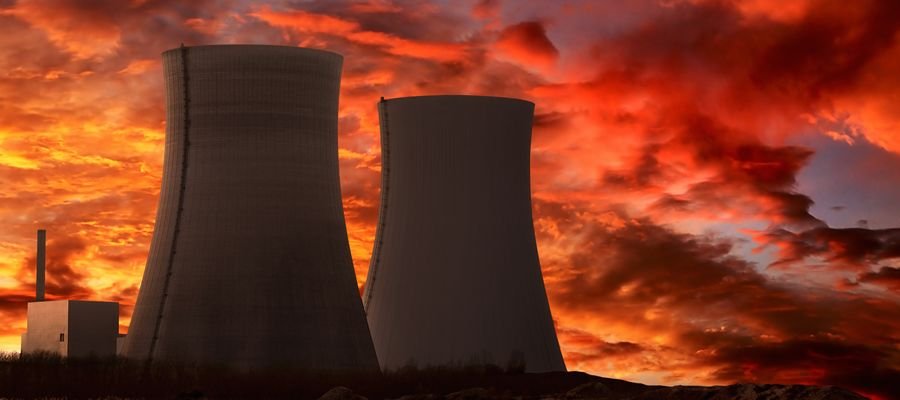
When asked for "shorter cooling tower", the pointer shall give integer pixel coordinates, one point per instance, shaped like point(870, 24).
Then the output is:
point(455, 277)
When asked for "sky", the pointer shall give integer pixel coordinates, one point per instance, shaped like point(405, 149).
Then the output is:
point(715, 183)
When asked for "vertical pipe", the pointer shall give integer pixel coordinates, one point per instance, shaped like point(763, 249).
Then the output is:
point(382, 212)
point(186, 146)
point(41, 264)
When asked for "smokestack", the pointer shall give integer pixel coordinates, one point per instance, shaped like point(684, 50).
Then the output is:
point(41, 264)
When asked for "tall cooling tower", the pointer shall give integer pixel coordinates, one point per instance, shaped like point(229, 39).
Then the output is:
point(249, 264)
point(455, 276)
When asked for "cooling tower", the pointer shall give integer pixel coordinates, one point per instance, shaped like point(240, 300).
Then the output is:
point(455, 276)
point(249, 265)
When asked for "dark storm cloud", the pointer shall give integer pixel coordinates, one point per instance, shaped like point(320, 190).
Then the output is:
point(848, 38)
point(756, 70)
point(527, 42)
point(15, 304)
point(641, 264)
point(551, 119)
point(587, 347)
point(714, 306)
point(645, 170)
point(855, 246)
point(63, 280)
point(812, 360)
point(888, 277)
point(760, 177)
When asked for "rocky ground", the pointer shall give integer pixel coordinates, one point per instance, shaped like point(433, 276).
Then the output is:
point(612, 389)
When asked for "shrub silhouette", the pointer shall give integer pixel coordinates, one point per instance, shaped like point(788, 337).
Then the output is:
point(47, 375)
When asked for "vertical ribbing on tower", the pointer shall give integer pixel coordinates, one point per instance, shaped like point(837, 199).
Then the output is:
point(455, 275)
point(186, 145)
point(382, 213)
point(250, 266)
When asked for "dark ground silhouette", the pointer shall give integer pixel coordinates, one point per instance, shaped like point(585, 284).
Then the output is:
point(51, 376)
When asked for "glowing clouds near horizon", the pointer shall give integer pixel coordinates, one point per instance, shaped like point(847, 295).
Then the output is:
point(678, 212)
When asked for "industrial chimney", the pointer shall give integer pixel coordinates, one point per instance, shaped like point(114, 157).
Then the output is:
point(41, 265)
point(455, 276)
point(249, 265)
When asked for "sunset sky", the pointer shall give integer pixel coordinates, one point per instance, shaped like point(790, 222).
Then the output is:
point(716, 184)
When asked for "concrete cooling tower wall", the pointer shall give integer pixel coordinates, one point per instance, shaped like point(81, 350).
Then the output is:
point(249, 264)
point(455, 276)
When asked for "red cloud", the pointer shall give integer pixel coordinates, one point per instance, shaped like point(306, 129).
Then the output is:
point(324, 24)
point(682, 302)
point(527, 44)
point(663, 134)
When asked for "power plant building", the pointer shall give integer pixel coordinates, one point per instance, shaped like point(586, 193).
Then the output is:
point(249, 264)
point(455, 276)
point(70, 328)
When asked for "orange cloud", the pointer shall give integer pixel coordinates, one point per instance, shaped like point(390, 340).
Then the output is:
point(324, 24)
point(527, 44)
point(678, 239)
point(83, 31)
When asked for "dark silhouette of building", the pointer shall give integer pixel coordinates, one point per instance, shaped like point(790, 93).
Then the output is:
point(41, 267)
point(455, 276)
point(249, 264)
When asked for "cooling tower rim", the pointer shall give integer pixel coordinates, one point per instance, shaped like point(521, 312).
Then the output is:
point(454, 96)
point(322, 52)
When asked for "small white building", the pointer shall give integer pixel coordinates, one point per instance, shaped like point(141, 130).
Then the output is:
point(72, 328)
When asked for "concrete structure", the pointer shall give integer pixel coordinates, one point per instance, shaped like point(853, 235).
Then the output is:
point(455, 276)
point(120, 343)
point(249, 265)
point(72, 328)
point(41, 265)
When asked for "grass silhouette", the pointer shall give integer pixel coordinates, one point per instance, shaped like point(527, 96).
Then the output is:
point(46, 375)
